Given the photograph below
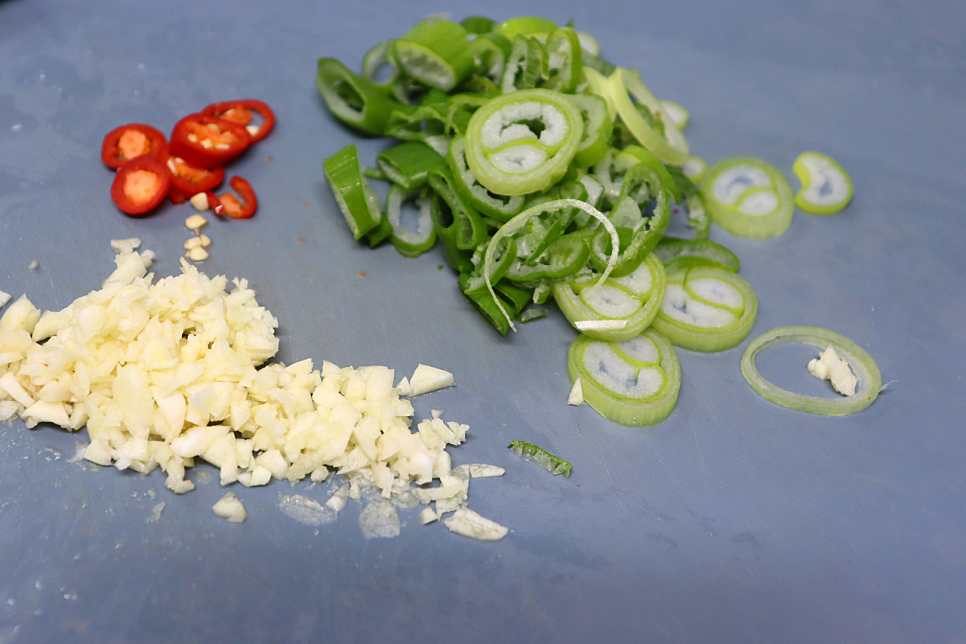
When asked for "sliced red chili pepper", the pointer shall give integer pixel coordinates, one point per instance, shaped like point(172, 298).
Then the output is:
point(187, 180)
point(241, 112)
point(132, 140)
point(208, 141)
point(215, 204)
point(140, 185)
point(232, 206)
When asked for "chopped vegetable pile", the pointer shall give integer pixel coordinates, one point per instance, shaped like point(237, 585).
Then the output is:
point(544, 171)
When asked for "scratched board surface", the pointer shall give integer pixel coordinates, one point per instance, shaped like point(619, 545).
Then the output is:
point(732, 521)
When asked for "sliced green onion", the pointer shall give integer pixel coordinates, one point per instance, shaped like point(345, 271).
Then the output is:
point(493, 306)
point(526, 65)
point(706, 309)
point(634, 383)
point(477, 25)
point(679, 115)
point(826, 186)
point(633, 300)
point(671, 146)
point(564, 63)
point(598, 85)
point(598, 128)
point(432, 123)
point(588, 43)
point(694, 168)
point(563, 258)
point(526, 26)
point(748, 197)
point(409, 164)
point(533, 454)
point(698, 217)
point(469, 226)
point(373, 60)
point(355, 100)
point(499, 207)
point(598, 64)
point(679, 254)
point(634, 154)
point(436, 53)
point(358, 202)
point(507, 156)
point(638, 234)
point(533, 313)
point(517, 223)
point(490, 55)
point(408, 243)
point(870, 380)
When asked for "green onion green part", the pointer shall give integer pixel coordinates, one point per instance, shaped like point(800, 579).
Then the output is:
point(360, 206)
point(436, 53)
point(409, 164)
point(537, 456)
point(748, 197)
point(355, 100)
point(677, 254)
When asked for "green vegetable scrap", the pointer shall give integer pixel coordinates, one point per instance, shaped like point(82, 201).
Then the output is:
point(530, 452)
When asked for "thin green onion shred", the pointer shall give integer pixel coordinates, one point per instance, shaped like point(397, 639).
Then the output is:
point(864, 366)
point(538, 456)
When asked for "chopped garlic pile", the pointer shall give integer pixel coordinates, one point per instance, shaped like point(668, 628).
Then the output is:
point(165, 373)
point(829, 366)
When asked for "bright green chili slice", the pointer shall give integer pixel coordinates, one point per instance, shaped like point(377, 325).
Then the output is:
point(748, 197)
point(638, 233)
point(864, 366)
point(826, 186)
point(706, 309)
point(565, 69)
point(355, 100)
point(499, 207)
point(409, 243)
point(523, 142)
point(533, 454)
point(358, 202)
point(436, 53)
point(598, 128)
point(628, 303)
point(634, 383)
point(677, 254)
point(679, 115)
point(698, 217)
point(670, 145)
point(470, 228)
point(409, 164)
point(526, 66)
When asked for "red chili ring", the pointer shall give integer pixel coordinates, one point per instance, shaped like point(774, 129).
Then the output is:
point(230, 140)
point(114, 158)
point(134, 192)
point(250, 104)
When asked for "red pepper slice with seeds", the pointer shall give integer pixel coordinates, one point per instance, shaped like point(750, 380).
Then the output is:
point(140, 185)
point(187, 180)
point(132, 140)
point(241, 112)
point(207, 141)
point(228, 204)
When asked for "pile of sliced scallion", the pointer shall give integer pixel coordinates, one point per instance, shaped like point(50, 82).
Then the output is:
point(543, 170)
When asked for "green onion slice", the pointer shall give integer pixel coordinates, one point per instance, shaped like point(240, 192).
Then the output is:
point(374, 59)
point(598, 128)
point(499, 207)
point(634, 299)
point(518, 223)
point(477, 25)
point(470, 229)
point(588, 43)
point(679, 115)
point(526, 65)
point(436, 53)
point(432, 123)
point(523, 142)
point(355, 100)
point(826, 186)
point(598, 85)
point(409, 164)
point(865, 368)
point(670, 146)
point(526, 26)
point(490, 55)
point(634, 383)
point(358, 202)
point(694, 168)
point(634, 154)
point(748, 197)
point(408, 243)
point(706, 309)
point(565, 69)
point(698, 217)
point(533, 454)
point(677, 254)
